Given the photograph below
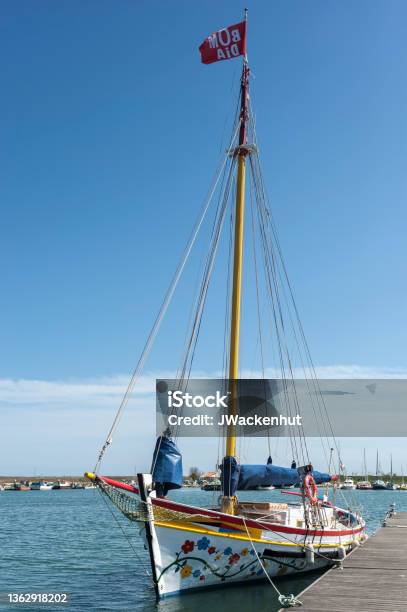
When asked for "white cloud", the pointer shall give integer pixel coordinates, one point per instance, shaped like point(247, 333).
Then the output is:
point(107, 392)
point(336, 372)
point(58, 426)
point(99, 392)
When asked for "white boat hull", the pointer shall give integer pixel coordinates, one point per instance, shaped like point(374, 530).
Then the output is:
point(187, 560)
point(216, 561)
point(223, 549)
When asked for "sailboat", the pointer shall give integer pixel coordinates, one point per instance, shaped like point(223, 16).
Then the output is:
point(390, 484)
point(364, 484)
point(194, 547)
point(378, 484)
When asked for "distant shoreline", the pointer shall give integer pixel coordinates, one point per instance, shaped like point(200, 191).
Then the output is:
point(54, 478)
point(6, 479)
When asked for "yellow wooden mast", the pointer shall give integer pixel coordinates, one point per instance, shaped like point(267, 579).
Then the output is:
point(241, 152)
point(236, 300)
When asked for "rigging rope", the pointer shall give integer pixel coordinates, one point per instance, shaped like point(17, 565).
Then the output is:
point(276, 278)
point(195, 301)
point(324, 416)
point(287, 601)
point(269, 267)
point(207, 277)
point(163, 309)
point(142, 563)
point(258, 307)
point(185, 372)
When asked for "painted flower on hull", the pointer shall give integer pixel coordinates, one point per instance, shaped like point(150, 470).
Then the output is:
point(203, 543)
point(188, 546)
point(234, 558)
point(211, 550)
point(186, 571)
point(244, 552)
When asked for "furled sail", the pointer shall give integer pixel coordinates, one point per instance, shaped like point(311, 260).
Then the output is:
point(167, 465)
point(244, 477)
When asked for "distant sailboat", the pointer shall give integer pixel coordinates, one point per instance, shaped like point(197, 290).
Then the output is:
point(378, 484)
point(390, 484)
point(364, 484)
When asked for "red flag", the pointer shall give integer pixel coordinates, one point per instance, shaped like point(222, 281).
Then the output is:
point(225, 44)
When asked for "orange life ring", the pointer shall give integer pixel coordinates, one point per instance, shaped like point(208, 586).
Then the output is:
point(310, 488)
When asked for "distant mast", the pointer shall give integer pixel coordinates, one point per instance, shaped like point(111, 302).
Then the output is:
point(365, 466)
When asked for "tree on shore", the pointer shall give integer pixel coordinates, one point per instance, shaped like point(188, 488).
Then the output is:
point(194, 473)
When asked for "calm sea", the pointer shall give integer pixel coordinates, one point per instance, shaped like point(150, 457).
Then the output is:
point(69, 541)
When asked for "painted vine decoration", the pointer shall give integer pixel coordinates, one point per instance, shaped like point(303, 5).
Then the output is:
point(186, 570)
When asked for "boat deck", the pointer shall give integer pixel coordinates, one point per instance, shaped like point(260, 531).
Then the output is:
point(374, 576)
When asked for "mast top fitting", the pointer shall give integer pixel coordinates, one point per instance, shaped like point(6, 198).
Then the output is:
point(243, 149)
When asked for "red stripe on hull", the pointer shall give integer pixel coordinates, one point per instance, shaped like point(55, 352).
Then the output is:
point(234, 520)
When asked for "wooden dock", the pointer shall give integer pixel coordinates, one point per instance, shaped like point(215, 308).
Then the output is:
point(373, 578)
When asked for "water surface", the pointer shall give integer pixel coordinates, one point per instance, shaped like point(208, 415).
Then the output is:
point(73, 541)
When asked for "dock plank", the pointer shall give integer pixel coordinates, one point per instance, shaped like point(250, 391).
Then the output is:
point(373, 578)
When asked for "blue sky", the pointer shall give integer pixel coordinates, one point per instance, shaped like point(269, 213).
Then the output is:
point(111, 130)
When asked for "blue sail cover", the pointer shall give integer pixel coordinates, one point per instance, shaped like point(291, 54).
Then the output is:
point(167, 464)
point(230, 471)
point(252, 476)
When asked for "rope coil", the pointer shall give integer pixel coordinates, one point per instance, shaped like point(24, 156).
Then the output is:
point(289, 601)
